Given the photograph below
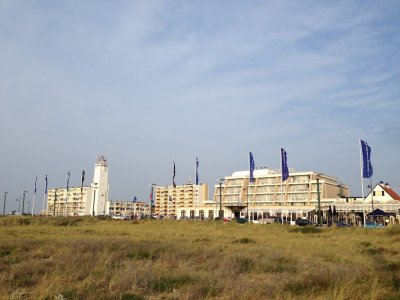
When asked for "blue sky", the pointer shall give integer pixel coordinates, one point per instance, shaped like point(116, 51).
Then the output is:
point(149, 82)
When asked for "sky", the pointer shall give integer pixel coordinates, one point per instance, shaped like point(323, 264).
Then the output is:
point(146, 83)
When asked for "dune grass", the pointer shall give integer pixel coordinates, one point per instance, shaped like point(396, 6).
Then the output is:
point(85, 258)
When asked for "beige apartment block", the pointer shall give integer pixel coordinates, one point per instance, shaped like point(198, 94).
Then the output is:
point(299, 190)
point(75, 202)
point(168, 198)
point(125, 208)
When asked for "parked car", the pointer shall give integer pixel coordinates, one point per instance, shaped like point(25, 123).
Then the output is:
point(117, 217)
point(371, 224)
point(342, 224)
point(241, 220)
point(304, 222)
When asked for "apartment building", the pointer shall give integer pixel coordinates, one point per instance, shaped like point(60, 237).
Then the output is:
point(129, 208)
point(77, 201)
point(168, 198)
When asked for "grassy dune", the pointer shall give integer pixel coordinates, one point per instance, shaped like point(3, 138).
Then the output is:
point(46, 258)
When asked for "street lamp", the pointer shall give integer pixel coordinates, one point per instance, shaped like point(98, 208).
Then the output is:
point(220, 199)
point(4, 205)
point(18, 204)
point(152, 185)
point(319, 203)
point(23, 201)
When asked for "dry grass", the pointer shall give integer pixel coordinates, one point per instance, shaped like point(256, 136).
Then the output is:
point(71, 258)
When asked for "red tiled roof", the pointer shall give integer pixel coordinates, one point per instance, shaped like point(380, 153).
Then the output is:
point(389, 190)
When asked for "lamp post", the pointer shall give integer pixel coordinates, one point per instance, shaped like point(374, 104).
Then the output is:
point(319, 203)
point(4, 205)
point(23, 201)
point(220, 199)
point(152, 185)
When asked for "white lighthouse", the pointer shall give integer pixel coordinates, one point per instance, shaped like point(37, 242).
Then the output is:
point(100, 188)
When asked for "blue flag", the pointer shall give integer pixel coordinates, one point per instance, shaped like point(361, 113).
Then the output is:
point(285, 170)
point(134, 199)
point(83, 179)
point(45, 190)
point(173, 177)
point(197, 171)
point(366, 155)
point(251, 168)
point(69, 174)
point(35, 183)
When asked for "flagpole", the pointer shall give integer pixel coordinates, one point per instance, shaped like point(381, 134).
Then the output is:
point(44, 200)
point(362, 182)
point(45, 193)
point(33, 203)
point(196, 183)
point(34, 196)
point(372, 199)
point(280, 159)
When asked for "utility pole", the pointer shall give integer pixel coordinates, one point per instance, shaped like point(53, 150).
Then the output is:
point(220, 200)
point(152, 206)
point(23, 201)
point(4, 205)
point(319, 204)
point(54, 203)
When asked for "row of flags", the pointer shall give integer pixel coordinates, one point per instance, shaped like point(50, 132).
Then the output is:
point(367, 169)
point(174, 173)
point(69, 175)
point(47, 185)
point(284, 166)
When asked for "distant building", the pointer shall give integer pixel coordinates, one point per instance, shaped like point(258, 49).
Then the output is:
point(90, 200)
point(382, 197)
point(129, 208)
point(168, 198)
point(268, 196)
point(299, 190)
point(76, 202)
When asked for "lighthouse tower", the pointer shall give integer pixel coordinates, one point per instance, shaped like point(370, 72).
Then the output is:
point(100, 187)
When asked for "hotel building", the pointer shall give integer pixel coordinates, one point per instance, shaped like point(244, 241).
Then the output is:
point(268, 196)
